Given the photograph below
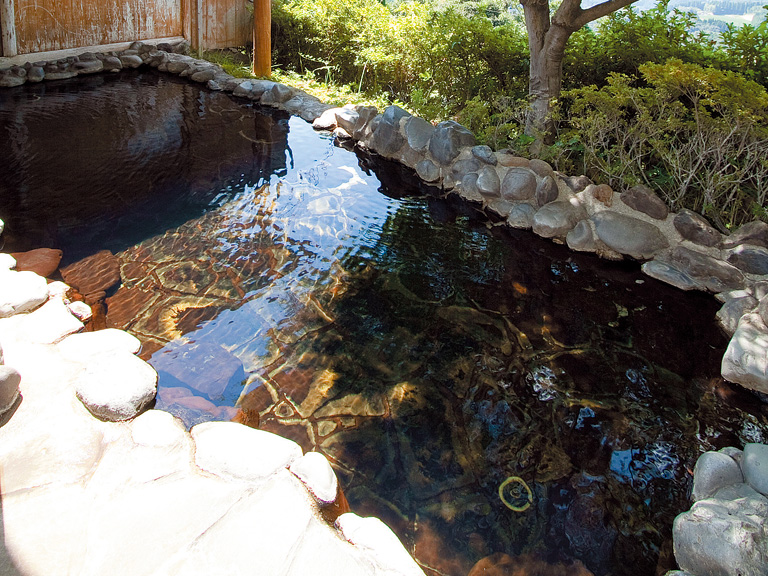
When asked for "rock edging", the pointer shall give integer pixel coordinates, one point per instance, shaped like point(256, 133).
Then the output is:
point(726, 529)
point(208, 487)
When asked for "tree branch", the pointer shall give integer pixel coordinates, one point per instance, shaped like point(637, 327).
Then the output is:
point(598, 11)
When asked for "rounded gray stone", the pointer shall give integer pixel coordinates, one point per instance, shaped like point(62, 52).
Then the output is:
point(749, 259)
point(36, 74)
point(521, 216)
point(745, 360)
point(469, 188)
point(462, 167)
point(736, 491)
point(762, 309)
point(695, 228)
point(669, 274)
point(541, 168)
point(418, 132)
point(428, 171)
point(712, 472)
point(715, 275)
point(9, 387)
point(581, 238)
point(556, 219)
point(519, 184)
point(448, 140)
point(630, 236)
point(754, 464)
point(488, 183)
point(577, 183)
point(386, 138)
point(645, 200)
point(546, 191)
point(755, 233)
point(485, 155)
point(723, 537)
point(731, 312)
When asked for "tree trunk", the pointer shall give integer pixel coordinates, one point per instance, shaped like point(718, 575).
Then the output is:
point(547, 38)
point(546, 42)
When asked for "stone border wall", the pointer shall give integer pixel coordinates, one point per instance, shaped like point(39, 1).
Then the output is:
point(681, 249)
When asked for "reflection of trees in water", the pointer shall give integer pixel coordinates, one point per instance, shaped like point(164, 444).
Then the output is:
point(144, 152)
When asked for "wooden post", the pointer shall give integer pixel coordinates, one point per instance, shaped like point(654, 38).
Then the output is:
point(262, 38)
point(199, 9)
point(8, 27)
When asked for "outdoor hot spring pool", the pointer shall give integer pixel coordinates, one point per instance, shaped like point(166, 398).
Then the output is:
point(428, 353)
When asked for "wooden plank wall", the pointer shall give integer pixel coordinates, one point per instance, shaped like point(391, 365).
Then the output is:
point(43, 25)
point(225, 23)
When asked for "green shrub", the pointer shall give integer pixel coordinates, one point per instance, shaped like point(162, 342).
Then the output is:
point(699, 136)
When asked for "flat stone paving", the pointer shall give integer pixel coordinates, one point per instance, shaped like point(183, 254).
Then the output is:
point(83, 496)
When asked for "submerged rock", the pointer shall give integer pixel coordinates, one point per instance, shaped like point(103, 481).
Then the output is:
point(41, 261)
point(96, 273)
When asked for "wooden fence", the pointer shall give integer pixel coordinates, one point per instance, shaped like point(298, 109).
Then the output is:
point(30, 26)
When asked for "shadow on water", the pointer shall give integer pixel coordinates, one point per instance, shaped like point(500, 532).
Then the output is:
point(443, 364)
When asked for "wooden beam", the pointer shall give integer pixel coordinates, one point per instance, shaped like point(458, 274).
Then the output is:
point(8, 27)
point(262, 38)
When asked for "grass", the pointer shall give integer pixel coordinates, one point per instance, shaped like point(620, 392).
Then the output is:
point(236, 62)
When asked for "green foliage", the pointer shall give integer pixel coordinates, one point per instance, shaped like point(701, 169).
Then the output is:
point(699, 136)
point(434, 60)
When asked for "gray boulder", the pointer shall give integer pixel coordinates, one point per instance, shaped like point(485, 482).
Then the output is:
point(519, 184)
point(745, 360)
point(731, 312)
point(428, 171)
point(36, 74)
point(713, 274)
point(468, 188)
point(695, 228)
point(448, 140)
point(9, 387)
point(581, 238)
point(721, 537)
point(645, 200)
point(546, 191)
point(387, 139)
point(749, 259)
point(630, 236)
point(541, 168)
point(762, 310)
point(462, 167)
point(754, 464)
point(755, 233)
point(556, 219)
point(346, 119)
point(488, 182)
point(521, 216)
point(128, 61)
point(363, 128)
point(576, 183)
point(418, 132)
point(670, 274)
point(738, 491)
point(485, 155)
point(712, 472)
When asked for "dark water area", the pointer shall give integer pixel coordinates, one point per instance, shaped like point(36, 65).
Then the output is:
point(480, 389)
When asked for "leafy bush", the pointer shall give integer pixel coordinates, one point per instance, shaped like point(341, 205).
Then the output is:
point(699, 136)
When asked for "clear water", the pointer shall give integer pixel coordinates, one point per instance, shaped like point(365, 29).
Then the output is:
point(432, 355)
